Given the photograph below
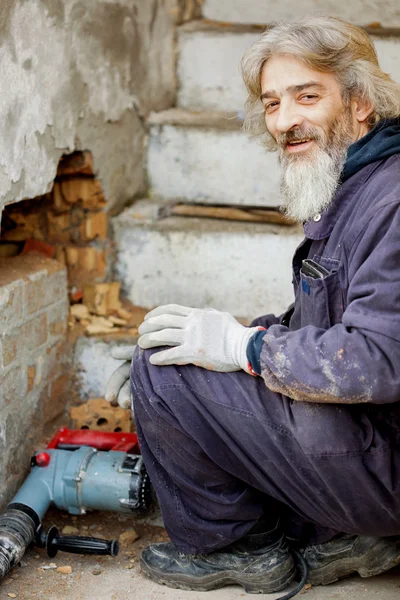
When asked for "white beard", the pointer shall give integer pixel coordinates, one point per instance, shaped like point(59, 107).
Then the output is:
point(310, 179)
point(308, 185)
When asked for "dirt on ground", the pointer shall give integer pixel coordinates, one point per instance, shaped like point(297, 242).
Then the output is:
point(40, 577)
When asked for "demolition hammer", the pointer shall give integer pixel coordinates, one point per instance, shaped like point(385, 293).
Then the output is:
point(80, 470)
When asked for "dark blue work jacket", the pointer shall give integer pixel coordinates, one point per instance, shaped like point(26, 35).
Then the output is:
point(342, 342)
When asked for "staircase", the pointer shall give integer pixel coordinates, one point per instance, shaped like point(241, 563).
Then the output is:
point(197, 153)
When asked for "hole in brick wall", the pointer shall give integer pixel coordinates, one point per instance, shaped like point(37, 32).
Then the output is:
point(102, 421)
point(69, 223)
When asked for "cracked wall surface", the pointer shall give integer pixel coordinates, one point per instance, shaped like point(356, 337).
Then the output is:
point(81, 74)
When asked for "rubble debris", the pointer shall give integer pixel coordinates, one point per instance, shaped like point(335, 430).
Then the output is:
point(99, 415)
point(49, 566)
point(102, 312)
point(128, 537)
point(80, 311)
point(64, 570)
point(32, 245)
point(98, 325)
point(69, 530)
point(102, 298)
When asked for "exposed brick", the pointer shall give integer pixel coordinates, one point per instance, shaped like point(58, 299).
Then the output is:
point(53, 361)
point(58, 318)
point(12, 386)
point(31, 376)
point(87, 192)
point(26, 224)
point(85, 265)
point(77, 163)
point(78, 225)
point(11, 305)
point(55, 402)
point(26, 266)
point(35, 332)
point(95, 227)
point(10, 348)
point(44, 289)
point(20, 425)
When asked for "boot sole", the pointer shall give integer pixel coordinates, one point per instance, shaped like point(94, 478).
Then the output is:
point(251, 583)
point(378, 560)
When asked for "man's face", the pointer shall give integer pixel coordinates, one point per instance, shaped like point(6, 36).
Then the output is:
point(298, 100)
point(312, 127)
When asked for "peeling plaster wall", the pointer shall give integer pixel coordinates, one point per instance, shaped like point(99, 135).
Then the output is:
point(81, 74)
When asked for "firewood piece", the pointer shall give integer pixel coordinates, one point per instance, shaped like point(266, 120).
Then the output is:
point(255, 215)
point(102, 298)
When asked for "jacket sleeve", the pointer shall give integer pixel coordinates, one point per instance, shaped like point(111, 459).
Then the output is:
point(357, 360)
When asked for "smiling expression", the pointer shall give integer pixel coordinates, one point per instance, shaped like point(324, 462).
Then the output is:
point(301, 104)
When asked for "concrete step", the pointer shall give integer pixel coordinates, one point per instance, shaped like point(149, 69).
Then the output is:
point(209, 64)
point(205, 157)
point(242, 268)
point(265, 11)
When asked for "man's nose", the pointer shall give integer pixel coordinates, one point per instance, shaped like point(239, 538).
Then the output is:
point(288, 117)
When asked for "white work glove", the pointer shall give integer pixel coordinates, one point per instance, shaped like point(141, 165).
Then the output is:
point(118, 390)
point(206, 338)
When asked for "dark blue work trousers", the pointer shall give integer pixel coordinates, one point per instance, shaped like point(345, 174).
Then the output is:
point(221, 450)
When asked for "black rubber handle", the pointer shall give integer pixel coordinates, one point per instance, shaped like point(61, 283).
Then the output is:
point(79, 545)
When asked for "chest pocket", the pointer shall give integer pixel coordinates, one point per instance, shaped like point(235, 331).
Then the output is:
point(321, 299)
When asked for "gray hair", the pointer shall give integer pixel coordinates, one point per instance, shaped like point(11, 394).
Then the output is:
point(326, 44)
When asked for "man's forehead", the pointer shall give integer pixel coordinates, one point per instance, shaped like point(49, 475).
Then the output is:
point(287, 74)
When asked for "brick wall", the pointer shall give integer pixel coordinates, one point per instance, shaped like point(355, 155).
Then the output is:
point(33, 359)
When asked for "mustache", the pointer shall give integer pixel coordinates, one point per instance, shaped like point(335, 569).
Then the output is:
point(297, 134)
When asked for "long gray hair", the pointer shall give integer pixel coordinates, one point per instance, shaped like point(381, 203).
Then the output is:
point(327, 44)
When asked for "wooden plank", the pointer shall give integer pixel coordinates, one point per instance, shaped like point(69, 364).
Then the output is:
point(231, 213)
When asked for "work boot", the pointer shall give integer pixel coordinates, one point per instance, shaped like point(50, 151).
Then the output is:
point(261, 563)
point(346, 554)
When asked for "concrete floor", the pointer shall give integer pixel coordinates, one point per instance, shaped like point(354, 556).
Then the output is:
point(106, 578)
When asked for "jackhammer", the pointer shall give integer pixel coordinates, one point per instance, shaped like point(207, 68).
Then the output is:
point(80, 470)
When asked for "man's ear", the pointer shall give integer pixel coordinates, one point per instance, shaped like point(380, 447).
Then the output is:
point(362, 109)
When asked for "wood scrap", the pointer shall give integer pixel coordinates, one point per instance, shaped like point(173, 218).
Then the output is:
point(79, 311)
point(231, 213)
point(99, 325)
point(103, 313)
point(102, 298)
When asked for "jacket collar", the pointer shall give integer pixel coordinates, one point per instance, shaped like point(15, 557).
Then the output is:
point(362, 158)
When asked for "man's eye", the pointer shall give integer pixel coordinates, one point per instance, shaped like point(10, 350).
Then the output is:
point(309, 97)
point(270, 106)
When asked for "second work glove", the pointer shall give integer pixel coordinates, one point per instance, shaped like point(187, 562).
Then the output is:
point(206, 338)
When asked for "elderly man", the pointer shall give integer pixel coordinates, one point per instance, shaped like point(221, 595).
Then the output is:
point(284, 437)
